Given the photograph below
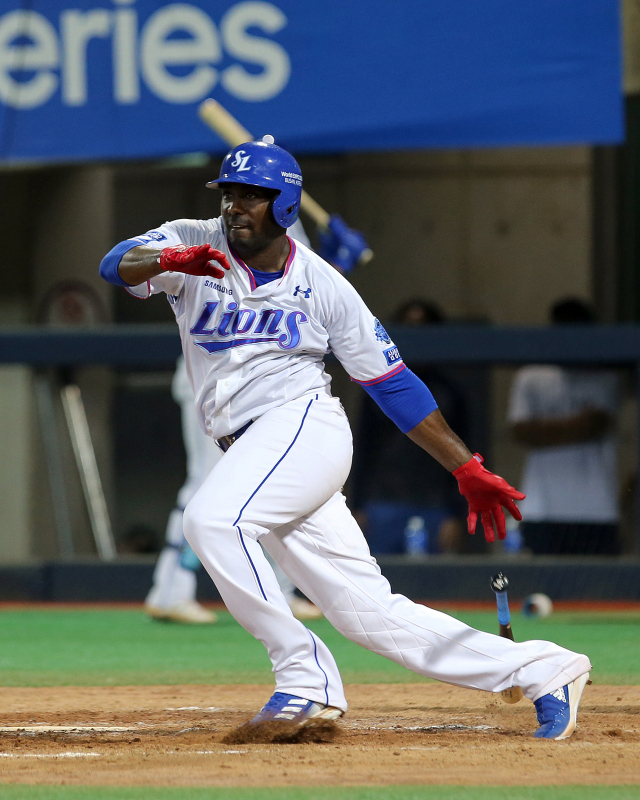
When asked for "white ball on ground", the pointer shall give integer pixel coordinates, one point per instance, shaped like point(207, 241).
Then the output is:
point(537, 605)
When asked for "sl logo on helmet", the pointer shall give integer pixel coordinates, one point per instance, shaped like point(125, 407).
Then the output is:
point(240, 162)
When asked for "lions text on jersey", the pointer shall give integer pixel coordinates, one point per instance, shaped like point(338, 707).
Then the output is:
point(248, 348)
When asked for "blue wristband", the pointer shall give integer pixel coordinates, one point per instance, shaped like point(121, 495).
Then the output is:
point(110, 263)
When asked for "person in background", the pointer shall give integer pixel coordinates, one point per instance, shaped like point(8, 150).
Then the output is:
point(173, 593)
point(567, 417)
point(395, 484)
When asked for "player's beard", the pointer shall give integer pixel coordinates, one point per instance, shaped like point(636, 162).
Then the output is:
point(248, 242)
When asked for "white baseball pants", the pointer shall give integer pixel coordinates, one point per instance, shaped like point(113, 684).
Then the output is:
point(173, 584)
point(281, 483)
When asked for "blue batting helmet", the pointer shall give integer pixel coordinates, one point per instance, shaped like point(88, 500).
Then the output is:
point(266, 164)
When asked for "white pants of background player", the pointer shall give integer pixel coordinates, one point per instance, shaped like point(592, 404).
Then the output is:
point(173, 585)
point(280, 483)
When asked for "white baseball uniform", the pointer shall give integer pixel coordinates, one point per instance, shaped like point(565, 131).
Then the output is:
point(574, 482)
point(256, 354)
point(173, 585)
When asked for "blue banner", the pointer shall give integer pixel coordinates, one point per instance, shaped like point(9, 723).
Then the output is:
point(112, 79)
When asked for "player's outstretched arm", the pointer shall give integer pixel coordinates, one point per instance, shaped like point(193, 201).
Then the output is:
point(408, 402)
point(587, 425)
point(485, 492)
point(142, 263)
point(138, 265)
point(436, 437)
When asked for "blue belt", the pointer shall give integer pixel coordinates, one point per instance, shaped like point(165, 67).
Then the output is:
point(225, 442)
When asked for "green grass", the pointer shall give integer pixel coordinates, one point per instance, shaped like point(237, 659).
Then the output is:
point(122, 647)
point(119, 647)
point(20, 792)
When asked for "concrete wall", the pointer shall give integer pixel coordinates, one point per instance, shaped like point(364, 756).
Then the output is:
point(16, 434)
point(16, 431)
point(631, 20)
point(493, 235)
point(60, 228)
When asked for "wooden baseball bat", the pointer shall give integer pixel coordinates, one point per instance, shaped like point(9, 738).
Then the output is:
point(228, 128)
point(500, 584)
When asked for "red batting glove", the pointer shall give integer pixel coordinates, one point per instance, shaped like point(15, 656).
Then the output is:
point(193, 260)
point(486, 493)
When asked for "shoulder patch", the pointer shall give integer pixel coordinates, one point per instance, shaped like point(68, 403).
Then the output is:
point(381, 334)
point(152, 236)
point(392, 355)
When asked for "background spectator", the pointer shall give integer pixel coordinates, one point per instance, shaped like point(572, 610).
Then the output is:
point(567, 417)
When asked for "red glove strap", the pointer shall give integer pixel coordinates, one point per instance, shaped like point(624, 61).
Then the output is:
point(473, 465)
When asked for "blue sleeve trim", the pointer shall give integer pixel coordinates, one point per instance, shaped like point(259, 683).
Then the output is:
point(403, 397)
point(110, 263)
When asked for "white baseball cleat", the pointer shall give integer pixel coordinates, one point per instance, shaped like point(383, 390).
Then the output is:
point(190, 612)
point(296, 711)
point(303, 609)
point(558, 711)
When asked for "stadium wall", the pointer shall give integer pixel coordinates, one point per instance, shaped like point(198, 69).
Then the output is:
point(438, 578)
point(492, 236)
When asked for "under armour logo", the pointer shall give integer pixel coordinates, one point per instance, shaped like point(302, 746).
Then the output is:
point(240, 161)
point(305, 292)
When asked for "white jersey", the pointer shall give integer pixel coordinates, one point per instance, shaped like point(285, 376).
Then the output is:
point(249, 349)
point(575, 482)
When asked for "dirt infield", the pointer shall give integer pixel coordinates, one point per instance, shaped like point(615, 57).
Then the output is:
point(409, 733)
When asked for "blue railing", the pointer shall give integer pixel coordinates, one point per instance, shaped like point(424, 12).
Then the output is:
point(160, 343)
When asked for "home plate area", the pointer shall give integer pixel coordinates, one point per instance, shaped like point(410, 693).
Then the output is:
point(393, 733)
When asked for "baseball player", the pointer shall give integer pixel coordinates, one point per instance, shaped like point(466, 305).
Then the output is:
point(257, 314)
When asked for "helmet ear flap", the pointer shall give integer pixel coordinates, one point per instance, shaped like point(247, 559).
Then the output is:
point(275, 212)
